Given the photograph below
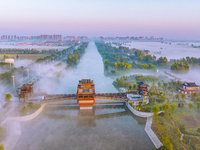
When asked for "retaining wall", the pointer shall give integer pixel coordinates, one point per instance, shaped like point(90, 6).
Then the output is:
point(138, 113)
point(147, 129)
point(151, 134)
point(25, 118)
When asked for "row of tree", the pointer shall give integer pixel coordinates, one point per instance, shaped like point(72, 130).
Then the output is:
point(73, 59)
point(55, 56)
point(180, 66)
point(26, 51)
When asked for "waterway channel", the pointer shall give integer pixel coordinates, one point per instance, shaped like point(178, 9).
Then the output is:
point(65, 127)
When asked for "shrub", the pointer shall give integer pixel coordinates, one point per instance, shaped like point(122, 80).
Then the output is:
point(1, 147)
point(30, 104)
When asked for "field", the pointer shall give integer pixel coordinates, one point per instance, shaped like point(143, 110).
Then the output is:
point(25, 56)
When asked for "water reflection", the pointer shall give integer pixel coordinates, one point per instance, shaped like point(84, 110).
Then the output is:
point(88, 117)
point(63, 126)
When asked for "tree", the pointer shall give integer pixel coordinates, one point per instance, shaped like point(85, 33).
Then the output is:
point(166, 107)
point(1, 147)
point(30, 104)
point(24, 110)
point(177, 96)
point(198, 105)
point(173, 107)
point(159, 84)
point(106, 64)
point(182, 96)
point(190, 105)
point(194, 95)
point(130, 86)
point(155, 110)
point(134, 86)
point(140, 59)
point(8, 97)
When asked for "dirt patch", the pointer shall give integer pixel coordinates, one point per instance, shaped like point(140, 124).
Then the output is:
point(190, 122)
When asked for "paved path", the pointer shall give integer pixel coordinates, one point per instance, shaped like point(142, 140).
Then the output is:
point(14, 128)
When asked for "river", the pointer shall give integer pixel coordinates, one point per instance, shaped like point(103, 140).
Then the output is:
point(66, 127)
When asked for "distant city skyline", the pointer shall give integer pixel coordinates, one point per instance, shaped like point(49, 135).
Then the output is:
point(172, 19)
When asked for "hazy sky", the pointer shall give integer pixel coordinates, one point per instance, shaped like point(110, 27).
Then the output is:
point(177, 19)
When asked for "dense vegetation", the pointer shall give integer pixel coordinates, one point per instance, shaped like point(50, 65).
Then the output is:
point(183, 64)
point(129, 82)
point(26, 51)
point(180, 66)
point(6, 77)
point(55, 56)
point(73, 59)
point(5, 65)
point(123, 58)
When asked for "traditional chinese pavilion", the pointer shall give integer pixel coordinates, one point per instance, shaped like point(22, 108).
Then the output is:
point(142, 88)
point(188, 88)
point(85, 94)
point(25, 91)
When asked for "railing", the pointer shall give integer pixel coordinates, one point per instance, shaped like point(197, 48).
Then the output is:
point(59, 97)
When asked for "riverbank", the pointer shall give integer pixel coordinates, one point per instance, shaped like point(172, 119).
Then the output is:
point(147, 129)
point(12, 124)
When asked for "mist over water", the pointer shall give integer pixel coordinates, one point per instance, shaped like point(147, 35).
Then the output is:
point(14, 45)
point(172, 51)
point(66, 127)
point(89, 67)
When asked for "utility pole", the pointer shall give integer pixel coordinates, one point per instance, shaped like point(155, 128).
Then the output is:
point(28, 72)
point(13, 81)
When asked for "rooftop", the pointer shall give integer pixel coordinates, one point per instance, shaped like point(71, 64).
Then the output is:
point(190, 84)
point(25, 86)
point(85, 81)
point(142, 83)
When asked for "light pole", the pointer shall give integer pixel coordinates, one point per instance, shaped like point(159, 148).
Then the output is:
point(53, 59)
point(13, 81)
point(28, 72)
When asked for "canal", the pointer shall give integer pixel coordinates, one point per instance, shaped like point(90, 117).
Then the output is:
point(106, 127)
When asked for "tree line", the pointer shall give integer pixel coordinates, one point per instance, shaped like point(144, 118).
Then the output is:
point(26, 51)
point(73, 59)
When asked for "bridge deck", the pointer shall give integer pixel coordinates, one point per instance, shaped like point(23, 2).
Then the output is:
point(67, 97)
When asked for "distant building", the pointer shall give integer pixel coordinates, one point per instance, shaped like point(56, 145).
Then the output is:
point(9, 60)
point(188, 88)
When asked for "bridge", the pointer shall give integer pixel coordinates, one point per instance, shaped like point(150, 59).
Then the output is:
point(86, 95)
point(121, 97)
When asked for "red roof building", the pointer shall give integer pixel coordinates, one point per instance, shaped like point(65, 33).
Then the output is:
point(188, 88)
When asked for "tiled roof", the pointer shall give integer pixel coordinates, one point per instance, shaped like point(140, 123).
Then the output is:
point(142, 83)
point(190, 84)
point(26, 86)
point(86, 81)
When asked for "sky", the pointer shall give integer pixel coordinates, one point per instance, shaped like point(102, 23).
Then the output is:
point(171, 19)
